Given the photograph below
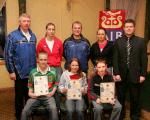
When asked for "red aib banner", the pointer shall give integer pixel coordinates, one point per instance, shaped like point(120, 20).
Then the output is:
point(112, 21)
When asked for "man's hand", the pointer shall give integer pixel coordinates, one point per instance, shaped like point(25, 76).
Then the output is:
point(142, 79)
point(117, 78)
point(12, 76)
point(98, 101)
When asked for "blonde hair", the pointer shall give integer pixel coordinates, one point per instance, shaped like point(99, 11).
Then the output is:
point(42, 53)
point(24, 15)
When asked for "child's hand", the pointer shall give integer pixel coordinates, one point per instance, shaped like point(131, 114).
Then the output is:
point(32, 94)
point(113, 101)
point(98, 101)
point(64, 90)
point(50, 94)
point(83, 90)
point(117, 78)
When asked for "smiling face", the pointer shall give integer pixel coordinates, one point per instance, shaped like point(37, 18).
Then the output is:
point(129, 29)
point(101, 68)
point(50, 31)
point(74, 66)
point(24, 23)
point(101, 35)
point(76, 29)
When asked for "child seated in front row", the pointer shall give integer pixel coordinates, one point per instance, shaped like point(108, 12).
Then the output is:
point(45, 73)
point(102, 76)
point(73, 74)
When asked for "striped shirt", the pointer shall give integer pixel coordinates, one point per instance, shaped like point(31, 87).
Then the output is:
point(50, 73)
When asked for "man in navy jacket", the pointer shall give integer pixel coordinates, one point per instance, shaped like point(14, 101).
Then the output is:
point(77, 46)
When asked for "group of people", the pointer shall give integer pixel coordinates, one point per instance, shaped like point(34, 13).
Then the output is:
point(123, 62)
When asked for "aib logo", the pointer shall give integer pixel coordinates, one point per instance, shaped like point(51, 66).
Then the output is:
point(112, 21)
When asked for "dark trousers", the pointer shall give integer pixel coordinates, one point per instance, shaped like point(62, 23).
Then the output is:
point(134, 95)
point(21, 95)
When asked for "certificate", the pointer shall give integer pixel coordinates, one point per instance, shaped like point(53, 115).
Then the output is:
point(74, 92)
point(41, 85)
point(107, 92)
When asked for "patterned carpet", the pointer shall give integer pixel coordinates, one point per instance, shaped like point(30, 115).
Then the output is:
point(7, 104)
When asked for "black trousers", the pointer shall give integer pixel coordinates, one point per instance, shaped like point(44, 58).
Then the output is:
point(21, 95)
point(134, 90)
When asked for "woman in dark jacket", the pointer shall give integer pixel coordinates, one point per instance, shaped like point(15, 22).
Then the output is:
point(102, 49)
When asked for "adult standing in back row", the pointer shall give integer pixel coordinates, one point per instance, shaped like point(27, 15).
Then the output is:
point(77, 46)
point(102, 49)
point(130, 67)
point(20, 58)
point(54, 48)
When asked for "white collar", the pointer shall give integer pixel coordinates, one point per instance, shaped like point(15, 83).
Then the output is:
point(43, 72)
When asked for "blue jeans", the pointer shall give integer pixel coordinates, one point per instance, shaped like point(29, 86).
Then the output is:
point(98, 108)
point(32, 104)
point(75, 106)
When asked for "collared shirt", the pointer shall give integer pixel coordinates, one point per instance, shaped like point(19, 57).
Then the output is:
point(43, 72)
point(50, 73)
point(26, 34)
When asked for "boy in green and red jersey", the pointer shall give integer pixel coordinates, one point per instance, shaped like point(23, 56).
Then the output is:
point(47, 100)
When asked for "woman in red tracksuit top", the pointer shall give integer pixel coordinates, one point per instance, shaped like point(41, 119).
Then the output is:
point(53, 46)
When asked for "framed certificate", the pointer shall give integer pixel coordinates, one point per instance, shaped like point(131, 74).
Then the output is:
point(107, 92)
point(74, 90)
point(41, 85)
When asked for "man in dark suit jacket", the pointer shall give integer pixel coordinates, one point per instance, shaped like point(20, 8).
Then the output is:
point(130, 67)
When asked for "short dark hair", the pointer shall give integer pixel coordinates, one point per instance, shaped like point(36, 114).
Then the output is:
point(101, 61)
point(102, 29)
point(129, 21)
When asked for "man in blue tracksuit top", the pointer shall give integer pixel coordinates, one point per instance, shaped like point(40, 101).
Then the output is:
point(20, 57)
point(77, 46)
